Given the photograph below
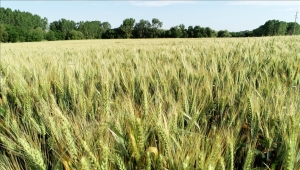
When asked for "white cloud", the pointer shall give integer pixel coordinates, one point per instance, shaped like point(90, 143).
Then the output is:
point(160, 3)
point(267, 3)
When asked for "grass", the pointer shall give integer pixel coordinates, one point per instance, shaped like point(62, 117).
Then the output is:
point(151, 104)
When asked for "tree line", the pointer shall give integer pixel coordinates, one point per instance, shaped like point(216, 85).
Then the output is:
point(17, 26)
point(21, 26)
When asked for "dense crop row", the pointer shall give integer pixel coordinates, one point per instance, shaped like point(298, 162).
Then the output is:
point(151, 104)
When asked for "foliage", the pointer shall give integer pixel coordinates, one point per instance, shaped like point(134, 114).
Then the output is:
point(142, 29)
point(50, 35)
point(156, 26)
point(92, 29)
point(127, 27)
point(175, 32)
point(17, 26)
point(271, 28)
point(3, 34)
point(13, 35)
point(111, 34)
point(35, 35)
point(20, 23)
point(61, 28)
point(75, 35)
point(224, 33)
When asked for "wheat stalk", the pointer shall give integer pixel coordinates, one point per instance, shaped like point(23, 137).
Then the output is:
point(248, 161)
point(33, 155)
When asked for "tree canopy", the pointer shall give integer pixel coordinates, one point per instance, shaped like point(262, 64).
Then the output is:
point(127, 27)
point(21, 26)
point(17, 26)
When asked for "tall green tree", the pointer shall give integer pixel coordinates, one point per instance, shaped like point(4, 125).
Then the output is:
point(224, 33)
point(190, 32)
point(142, 29)
point(293, 27)
point(91, 29)
point(156, 25)
point(127, 27)
point(210, 32)
point(44, 24)
point(13, 36)
point(203, 32)
point(62, 27)
point(112, 33)
point(184, 33)
point(106, 26)
point(281, 28)
point(258, 31)
point(268, 28)
point(3, 34)
point(21, 24)
point(197, 33)
point(175, 32)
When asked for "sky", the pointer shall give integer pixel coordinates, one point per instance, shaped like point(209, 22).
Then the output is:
point(218, 15)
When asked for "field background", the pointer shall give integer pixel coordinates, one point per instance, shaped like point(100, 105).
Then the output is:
point(151, 104)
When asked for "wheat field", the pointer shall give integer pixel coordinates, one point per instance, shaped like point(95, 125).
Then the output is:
point(185, 104)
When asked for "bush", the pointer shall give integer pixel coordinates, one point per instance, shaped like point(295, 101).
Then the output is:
point(13, 36)
point(224, 33)
point(50, 36)
point(75, 35)
point(35, 35)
